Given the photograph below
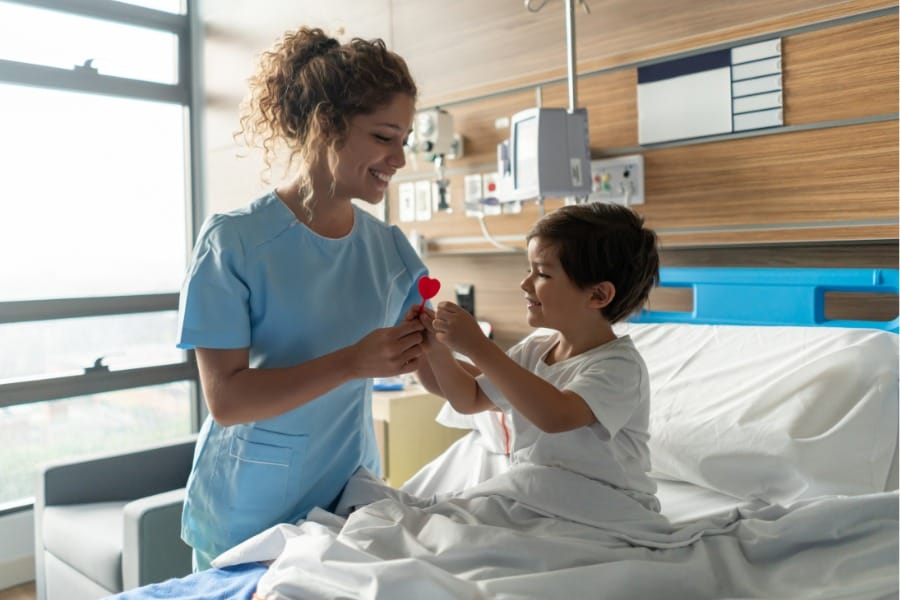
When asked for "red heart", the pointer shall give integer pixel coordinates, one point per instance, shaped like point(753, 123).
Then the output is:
point(428, 287)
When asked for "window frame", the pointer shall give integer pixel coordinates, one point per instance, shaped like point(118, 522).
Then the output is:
point(186, 92)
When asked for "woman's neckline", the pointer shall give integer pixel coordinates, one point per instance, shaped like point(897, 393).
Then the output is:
point(297, 221)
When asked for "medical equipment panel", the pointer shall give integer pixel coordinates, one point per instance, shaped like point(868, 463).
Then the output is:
point(549, 155)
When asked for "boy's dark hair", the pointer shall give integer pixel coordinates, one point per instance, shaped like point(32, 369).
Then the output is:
point(604, 242)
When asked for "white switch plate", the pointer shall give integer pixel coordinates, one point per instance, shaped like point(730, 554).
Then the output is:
point(406, 194)
point(619, 180)
point(474, 194)
point(423, 200)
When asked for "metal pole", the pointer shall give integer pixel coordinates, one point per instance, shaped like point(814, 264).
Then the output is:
point(570, 51)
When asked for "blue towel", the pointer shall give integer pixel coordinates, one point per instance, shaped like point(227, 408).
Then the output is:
point(231, 583)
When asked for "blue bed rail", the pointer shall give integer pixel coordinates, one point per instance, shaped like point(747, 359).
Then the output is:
point(770, 296)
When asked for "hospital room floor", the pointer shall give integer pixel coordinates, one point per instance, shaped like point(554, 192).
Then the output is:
point(25, 591)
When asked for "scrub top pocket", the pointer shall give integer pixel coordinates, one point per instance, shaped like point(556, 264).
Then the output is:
point(259, 466)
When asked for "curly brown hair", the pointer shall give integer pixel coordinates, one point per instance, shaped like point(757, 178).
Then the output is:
point(604, 242)
point(308, 87)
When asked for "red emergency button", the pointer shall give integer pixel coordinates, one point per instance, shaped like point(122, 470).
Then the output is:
point(492, 187)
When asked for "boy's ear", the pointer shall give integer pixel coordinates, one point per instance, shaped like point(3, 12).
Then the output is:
point(602, 294)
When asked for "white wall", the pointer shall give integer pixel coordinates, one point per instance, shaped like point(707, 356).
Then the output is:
point(16, 548)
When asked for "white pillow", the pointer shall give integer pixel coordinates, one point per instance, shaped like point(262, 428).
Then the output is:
point(776, 413)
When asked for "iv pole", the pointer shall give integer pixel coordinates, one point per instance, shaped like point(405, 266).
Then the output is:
point(570, 43)
point(570, 54)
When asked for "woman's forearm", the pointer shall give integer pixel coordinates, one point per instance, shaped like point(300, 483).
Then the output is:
point(237, 393)
point(250, 394)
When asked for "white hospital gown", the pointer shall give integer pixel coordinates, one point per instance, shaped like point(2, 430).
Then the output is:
point(612, 379)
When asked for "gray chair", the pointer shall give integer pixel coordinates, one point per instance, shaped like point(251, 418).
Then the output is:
point(108, 523)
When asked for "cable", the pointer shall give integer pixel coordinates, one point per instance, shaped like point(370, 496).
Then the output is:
point(494, 242)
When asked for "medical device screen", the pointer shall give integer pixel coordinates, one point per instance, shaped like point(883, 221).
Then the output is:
point(525, 155)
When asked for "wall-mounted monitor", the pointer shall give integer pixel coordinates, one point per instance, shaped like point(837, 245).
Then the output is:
point(549, 154)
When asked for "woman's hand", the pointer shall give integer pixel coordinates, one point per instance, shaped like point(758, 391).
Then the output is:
point(389, 351)
point(457, 329)
point(425, 318)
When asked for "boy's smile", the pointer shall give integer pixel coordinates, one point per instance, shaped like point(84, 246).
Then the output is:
point(552, 299)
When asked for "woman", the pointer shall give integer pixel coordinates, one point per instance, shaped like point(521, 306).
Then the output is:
point(292, 303)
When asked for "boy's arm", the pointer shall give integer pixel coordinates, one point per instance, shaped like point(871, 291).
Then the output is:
point(442, 374)
point(548, 408)
point(458, 382)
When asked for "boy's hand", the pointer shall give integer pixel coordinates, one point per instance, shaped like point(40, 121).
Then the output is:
point(456, 328)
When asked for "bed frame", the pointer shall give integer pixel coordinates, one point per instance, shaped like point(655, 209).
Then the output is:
point(770, 296)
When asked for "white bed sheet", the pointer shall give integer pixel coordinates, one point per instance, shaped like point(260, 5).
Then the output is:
point(777, 413)
point(539, 532)
point(466, 464)
point(681, 501)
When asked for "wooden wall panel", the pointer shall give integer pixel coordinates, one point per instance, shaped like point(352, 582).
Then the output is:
point(470, 47)
point(825, 184)
point(844, 72)
point(613, 120)
point(822, 176)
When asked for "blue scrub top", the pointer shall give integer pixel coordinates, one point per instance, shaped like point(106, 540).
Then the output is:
point(262, 280)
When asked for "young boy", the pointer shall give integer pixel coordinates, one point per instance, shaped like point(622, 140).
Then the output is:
point(578, 397)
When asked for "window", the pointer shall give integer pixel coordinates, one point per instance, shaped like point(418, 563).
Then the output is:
point(96, 220)
point(45, 431)
point(57, 39)
point(172, 6)
point(97, 203)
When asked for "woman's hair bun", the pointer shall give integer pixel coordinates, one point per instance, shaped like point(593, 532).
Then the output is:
point(322, 46)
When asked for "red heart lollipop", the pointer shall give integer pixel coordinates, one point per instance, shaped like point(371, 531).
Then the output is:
point(428, 288)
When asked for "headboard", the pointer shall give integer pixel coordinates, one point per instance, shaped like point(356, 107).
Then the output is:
point(770, 296)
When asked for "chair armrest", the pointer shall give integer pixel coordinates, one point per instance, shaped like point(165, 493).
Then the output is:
point(153, 550)
point(893, 476)
point(116, 476)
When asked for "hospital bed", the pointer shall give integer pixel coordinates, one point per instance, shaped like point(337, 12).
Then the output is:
point(774, 448)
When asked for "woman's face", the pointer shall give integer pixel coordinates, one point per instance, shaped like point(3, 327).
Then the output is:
point(373, 150)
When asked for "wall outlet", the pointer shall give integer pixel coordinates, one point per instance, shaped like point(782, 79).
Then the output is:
point(619, 180)
point(491, 189)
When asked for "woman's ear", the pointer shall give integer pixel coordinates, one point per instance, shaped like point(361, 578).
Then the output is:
point(323, 126)
point(602, 294)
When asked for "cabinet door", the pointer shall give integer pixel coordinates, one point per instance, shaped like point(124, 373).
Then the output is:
point(412, 438)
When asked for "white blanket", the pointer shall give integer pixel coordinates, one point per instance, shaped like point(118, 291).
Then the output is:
point(538, 532)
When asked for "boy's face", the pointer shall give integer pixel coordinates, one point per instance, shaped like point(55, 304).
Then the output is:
point(554, 301)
